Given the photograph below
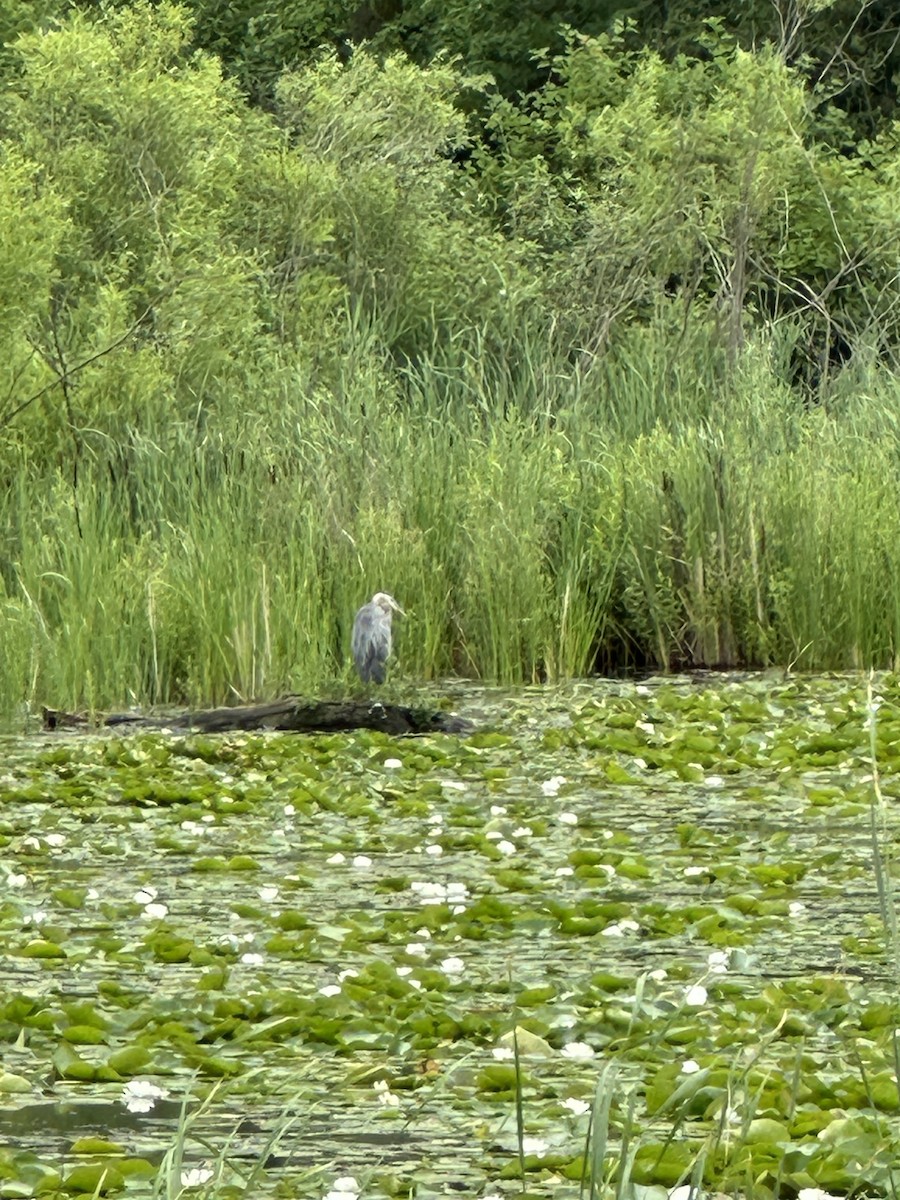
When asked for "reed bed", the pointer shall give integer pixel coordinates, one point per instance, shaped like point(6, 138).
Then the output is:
point(539, 519)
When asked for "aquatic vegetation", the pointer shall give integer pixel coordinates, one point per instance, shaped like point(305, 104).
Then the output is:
point(634, 933)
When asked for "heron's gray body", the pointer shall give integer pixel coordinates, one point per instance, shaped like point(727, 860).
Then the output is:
point(371, 641)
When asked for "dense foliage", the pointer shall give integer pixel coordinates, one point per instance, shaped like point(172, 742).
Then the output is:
point(583, 341)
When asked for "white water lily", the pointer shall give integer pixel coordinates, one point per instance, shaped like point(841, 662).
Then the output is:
point(695, 996)
point(575, 1106)
point(345, 1188)
point(14, 880)
point(330, 989)
point(336, 859)
point(551, 786)
point(506, 847)
point(385, 1096)
point(718, 961)
point(814, 1193)
point(577, 1050)
point(453, 966)
point(502, 1053)
point(567, 818)
point(691, 871)
point(562, 872)
point(268, 894)
point(497, 810)
point(392, 764)
point(155, 911)
point(435, 850)
point(140, 1095)
point(535, 1145)
point(252, 959)
point(416, 949)
point(196, 1177)
point(690, 1066)
point(361, 861)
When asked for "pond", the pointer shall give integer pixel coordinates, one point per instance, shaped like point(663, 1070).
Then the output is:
point(645, 928)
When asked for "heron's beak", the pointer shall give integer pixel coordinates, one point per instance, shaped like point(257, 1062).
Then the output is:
point(396, 607)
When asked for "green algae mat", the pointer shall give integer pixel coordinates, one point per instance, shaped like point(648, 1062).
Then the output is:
point(628, 939)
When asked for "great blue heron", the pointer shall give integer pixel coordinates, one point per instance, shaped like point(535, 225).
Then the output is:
point(371, 641)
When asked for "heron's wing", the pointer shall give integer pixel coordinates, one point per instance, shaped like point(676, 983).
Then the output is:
point(371, 643)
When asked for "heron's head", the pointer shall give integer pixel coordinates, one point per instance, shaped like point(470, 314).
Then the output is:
point(386, 603)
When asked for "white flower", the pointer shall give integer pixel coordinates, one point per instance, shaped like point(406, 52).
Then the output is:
point(567, 818)
point(453, 785)
point(416, 983)
point(503, 1052)
point(718, 961)
point(453, 966)
point(523, 831)
point(506, 847)
point(689, 871)
point(348, 973)
point(534, 1145)
point(497, 810)
point(645, 726)
point(37, 918)
point(695, 996)
point(252, 960)
point(346, 1184)
point(690, 1066)
point(575, 1106)
point(615, 930)
point(145, 895)
point(268, 894)
point(330, 989)
point(577, 1050)
point(714, 781)
point(289, 810)
point(797, 908)
point(385, 1095)
point(16, 881)
point(55, 839)
point(659, 974)
point(140, 1095)
point(434, 819)
point(550, 787)
point(814, 1193)
point(196, 1177)
point(428, 890)
point(564, 871)
point(362, 860)
point(336, 859)
point(155, 912)
point(392, 764)
point(345, 1188)
point(434, 850)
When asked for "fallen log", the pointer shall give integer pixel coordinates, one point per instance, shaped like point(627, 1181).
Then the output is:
point(290, 715)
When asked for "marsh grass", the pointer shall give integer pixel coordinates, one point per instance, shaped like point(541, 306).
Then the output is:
point(539, 518)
